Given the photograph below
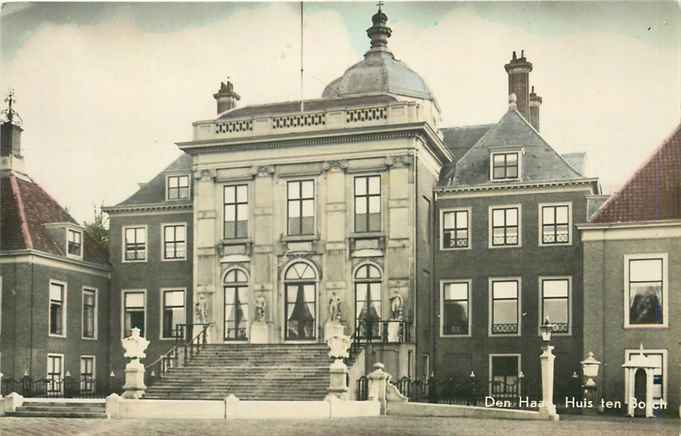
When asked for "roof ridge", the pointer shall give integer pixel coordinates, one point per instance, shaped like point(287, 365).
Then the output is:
point(26, 234)
point(469, 126)
point(638, 170)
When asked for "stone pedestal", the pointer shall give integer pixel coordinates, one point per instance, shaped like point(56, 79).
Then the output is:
point(338, 384)
point(260, 333)
point(393, 331)
point(333, 328)
point(378, 385)
point(134, 386)
point(547, 409)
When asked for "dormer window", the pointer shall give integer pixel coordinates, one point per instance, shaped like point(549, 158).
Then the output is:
point(74, 243)
point(505, 166)
point(177, 187)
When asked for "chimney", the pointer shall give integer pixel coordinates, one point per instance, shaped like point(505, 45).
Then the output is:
point(518, 70)
point(535, 105)
point(226, 97)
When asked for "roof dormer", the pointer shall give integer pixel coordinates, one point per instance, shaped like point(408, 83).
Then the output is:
point(505, 164)
point(68, 235)
point(178, 187)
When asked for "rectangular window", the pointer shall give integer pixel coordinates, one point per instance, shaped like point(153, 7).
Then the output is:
point(178, 187)
point(57, 308)
point(300, 198)
point(174, 312)
point(55, 374)
point(646, 290)
point(504, 376)
point(87, 374)
point(89, 313)
point(134, 312)
point(657, 358)
point(505, 307)
point(135, 244)
point(555, 303)
point(236, 211)
point(174, 242)
point(455, 229)
point(505, 226)
point(367, 204)
point(505, 166)
point(555, 224)
point(74, 244)
point(456, 308)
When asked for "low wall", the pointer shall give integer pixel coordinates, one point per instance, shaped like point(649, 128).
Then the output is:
point(233, 408)
point(453, 410)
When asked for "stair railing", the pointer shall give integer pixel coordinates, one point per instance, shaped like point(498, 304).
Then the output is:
point(189, 347)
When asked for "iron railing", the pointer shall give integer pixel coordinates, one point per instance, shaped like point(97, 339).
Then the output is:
point(381, 332)
point(185, 348)
point(85, 386)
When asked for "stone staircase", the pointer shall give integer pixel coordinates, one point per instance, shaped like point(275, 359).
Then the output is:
point(61, 409)
point(249, 371)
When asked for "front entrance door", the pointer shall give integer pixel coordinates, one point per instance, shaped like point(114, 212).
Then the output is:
point(640, 391)
point(505, 383)
point(300, 311)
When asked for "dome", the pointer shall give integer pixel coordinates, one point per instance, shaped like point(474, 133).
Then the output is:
point(379, 71)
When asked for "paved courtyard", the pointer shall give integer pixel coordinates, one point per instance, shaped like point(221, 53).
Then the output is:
point(401, 426)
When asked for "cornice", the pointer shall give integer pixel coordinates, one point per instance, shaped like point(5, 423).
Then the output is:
point(19, 256)
point(147, 207)
point(516, 186)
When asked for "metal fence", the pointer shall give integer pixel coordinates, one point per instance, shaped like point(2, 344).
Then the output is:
point(85, 386)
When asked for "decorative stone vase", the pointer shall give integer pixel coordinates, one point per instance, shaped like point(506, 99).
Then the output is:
point(134, 346)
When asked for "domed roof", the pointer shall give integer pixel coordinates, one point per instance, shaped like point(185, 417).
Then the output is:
point(379, 71)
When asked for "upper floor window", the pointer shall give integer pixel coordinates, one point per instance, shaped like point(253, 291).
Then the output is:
point(505, 226)
point(178, 187)
point(89, 313)
point(456, 308)
point(368, 204)
point(555, 224)
point(455, 229)
point(505, 307)
point(505, 166)
point(57, 313)
point(135, 244)
point(74, 243)
point(236, 211)
point(646, 291)
point(555, 302)
point(174, 241)
point(300, 199)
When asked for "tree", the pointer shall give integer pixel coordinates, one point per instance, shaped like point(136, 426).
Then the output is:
point(98, 229)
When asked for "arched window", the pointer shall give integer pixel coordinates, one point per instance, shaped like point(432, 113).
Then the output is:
point(368, 300)
point(236, 305)
point(300, 283)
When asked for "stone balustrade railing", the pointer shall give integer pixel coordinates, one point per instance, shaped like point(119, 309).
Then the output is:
point(295, 122)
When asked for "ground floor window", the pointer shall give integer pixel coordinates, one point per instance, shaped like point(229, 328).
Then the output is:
point(174, 312)
point(455, 308)
point(87, 373)
point(505, 306)
point(555, 303)
point(55, 373)
point(368, 300)
point(504, 376)
point(134, 312)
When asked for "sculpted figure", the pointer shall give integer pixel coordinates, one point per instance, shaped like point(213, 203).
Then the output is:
point(335, 307)
point(396, 306)
point(260, 305)
point(201, 310)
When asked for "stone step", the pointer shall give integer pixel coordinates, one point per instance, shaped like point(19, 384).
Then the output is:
point(57, 414)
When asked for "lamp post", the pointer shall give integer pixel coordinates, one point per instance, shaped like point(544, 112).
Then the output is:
point(547, 359)
point(590, 371)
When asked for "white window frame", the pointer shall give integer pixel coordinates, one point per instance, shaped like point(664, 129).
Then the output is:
point(628, 352)
point(315, 198)
point(83, 291)
point(94, 370)
point(82, 243)
point(382, 197)
point(146, 243)
point(189, 187)
point(520, 368)
point(63, 363)
point(490, 305)
point(146, 320)
point(519, 153)
point(163, 242)
point(490, 226)
point(469, 282)
point(468, 210)
point(541, 303)
point(249, 205)
point(186, 310)
point(540, 219)
point(665, 290)
point(64, 308)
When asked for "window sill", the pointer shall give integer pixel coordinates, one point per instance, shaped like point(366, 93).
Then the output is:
point(494, 247)
point(88, 339)
point(134, 261)
point(57, 336)
point(236, 241)
point(184, 259)
point(562, 244)
point(455, 336)
point(456, 248)
point(300, 238)
point(366, 235)
point(645, 326)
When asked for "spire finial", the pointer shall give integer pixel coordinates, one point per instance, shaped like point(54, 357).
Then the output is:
point(379, 32)
point(379, 4)
point(10, 100)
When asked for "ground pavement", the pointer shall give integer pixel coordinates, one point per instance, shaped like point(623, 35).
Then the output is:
point(386, 425)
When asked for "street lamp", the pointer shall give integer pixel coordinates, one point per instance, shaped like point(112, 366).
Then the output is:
point(547, 358)
point(546, 330)
point(590, 369)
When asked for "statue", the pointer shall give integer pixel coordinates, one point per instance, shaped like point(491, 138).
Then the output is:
point(134, 346)
point(335, 313)
point(396, 306)
point(260, 308)
point(201, 310)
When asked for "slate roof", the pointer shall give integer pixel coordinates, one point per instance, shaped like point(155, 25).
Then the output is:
point(155, 190)
point(310, 106)
point(26, 208)
point(539, 162)
point(653, 192)
point(459, 140)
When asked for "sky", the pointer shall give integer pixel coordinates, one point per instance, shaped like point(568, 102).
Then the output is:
point(105, 90)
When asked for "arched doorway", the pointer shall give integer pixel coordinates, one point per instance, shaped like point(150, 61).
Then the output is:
point(640, 387)
point(368, 298)
point(236, 305)
point(300, 311)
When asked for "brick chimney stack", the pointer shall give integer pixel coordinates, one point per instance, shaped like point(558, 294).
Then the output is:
point(518, 70)
point(535, 105)
point(226, 97)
